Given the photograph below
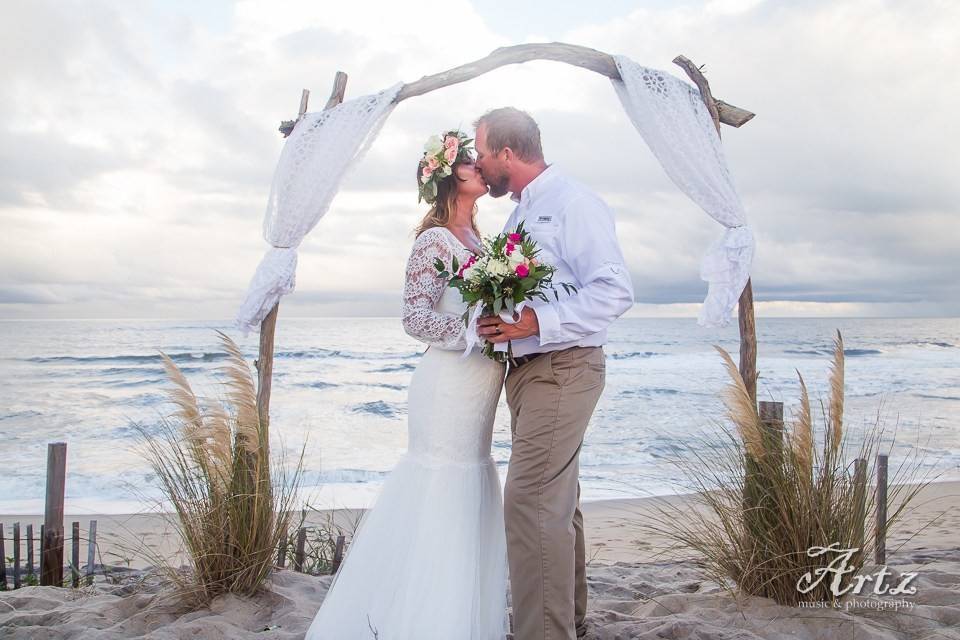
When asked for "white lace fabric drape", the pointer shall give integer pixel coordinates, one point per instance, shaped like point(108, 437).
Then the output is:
point(674, 122)
point(315, 158)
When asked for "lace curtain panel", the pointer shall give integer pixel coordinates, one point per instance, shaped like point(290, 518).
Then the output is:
point(315, 158)
point(674, 122)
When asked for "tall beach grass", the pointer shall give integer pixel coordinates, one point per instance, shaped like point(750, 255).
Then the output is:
point(231, 504)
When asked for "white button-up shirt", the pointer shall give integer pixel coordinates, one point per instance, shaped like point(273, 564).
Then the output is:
point(575, 232)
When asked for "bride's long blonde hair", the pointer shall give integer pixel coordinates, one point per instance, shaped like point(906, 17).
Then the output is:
point(443, 207)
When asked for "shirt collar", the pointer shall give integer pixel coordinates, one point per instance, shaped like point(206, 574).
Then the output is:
point(536, 186)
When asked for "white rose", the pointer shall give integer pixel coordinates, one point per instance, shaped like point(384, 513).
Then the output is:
point(498, 268)
point(434, 145)
point(516, 257)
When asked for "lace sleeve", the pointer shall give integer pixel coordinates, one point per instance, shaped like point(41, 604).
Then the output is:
point(423, 288)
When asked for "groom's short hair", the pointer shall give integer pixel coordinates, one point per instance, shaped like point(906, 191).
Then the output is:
point(510, 127)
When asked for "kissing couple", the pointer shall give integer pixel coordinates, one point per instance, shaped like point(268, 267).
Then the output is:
point(430, 560)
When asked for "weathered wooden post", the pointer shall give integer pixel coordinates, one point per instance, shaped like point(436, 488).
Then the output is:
point(881, 536)
point(75, 556)
point(756, 483)
point(338, 554)
point(282, 551)
point(300, 554)
point(30, 571)
point(91, 550)
point(268, 327)
point(16, 555)
point(3, 562)
point(51, 551)
point(860, 502)
point(745, 315)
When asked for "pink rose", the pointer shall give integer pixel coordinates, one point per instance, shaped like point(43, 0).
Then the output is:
point(515, 238)
point(510, 248)
point(451, 143)
point(523, 270)
point(433, 163)
point(450, 155)
point(427, 171)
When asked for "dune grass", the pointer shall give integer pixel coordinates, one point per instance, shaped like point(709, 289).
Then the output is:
point(769, 492)
point(231, 505)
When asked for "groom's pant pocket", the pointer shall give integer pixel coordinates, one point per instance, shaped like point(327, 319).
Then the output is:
point(569, 365)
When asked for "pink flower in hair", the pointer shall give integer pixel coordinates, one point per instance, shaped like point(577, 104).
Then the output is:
point(450, 154)
point(433, 163)
point(451, 143)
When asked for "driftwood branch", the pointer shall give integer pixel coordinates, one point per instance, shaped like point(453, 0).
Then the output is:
point(575, 55)
point(336, 97)
point(698, 79)
point(745, 313)
point(268, 327)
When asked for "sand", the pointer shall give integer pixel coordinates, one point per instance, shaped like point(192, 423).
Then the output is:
point(636, 589)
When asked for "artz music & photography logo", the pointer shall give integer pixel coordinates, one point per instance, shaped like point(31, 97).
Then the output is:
point(838, 577)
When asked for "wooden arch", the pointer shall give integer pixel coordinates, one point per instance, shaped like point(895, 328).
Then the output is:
point(597, 61)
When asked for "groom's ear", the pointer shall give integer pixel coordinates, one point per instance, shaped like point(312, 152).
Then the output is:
point(508, 155)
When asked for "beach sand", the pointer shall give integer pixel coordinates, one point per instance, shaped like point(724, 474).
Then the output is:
point(637, 588)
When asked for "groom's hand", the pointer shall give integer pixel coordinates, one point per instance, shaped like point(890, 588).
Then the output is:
point(495, 330)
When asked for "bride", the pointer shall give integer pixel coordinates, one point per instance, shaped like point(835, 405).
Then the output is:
point(428, 561)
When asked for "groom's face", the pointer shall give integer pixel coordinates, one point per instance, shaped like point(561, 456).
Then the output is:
point(491, 166)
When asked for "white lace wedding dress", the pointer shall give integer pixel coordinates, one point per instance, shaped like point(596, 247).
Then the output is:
point(429, 560)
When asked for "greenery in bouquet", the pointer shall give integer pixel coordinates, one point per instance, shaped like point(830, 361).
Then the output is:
point(503, 275)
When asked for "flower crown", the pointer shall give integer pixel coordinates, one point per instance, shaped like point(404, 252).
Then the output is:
point(440, 153)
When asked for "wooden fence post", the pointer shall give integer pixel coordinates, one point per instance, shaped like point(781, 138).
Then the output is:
point(75, 557)
point(282, 551)
point(301, 546)
point(91, 550)
point(758, 495)
point(3, 562)
point(30, 571)
point(860, 502)
point(337, 554)
point(52, 545)
point(16, 555)
point(881, 537)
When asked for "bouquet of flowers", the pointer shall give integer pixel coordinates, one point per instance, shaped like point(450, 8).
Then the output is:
point(499, 281)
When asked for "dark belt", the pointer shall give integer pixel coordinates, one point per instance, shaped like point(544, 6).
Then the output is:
point(521, 360)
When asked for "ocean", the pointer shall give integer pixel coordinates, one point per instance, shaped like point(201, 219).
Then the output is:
point(340, 385)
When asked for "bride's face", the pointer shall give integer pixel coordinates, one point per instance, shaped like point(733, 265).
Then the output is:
point(470, 181)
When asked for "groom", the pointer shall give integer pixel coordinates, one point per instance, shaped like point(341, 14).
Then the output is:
point(559, 372)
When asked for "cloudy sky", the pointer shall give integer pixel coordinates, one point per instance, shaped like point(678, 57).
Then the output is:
point(138, 140)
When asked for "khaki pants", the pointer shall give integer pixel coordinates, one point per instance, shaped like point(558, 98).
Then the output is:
point(551, 399)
